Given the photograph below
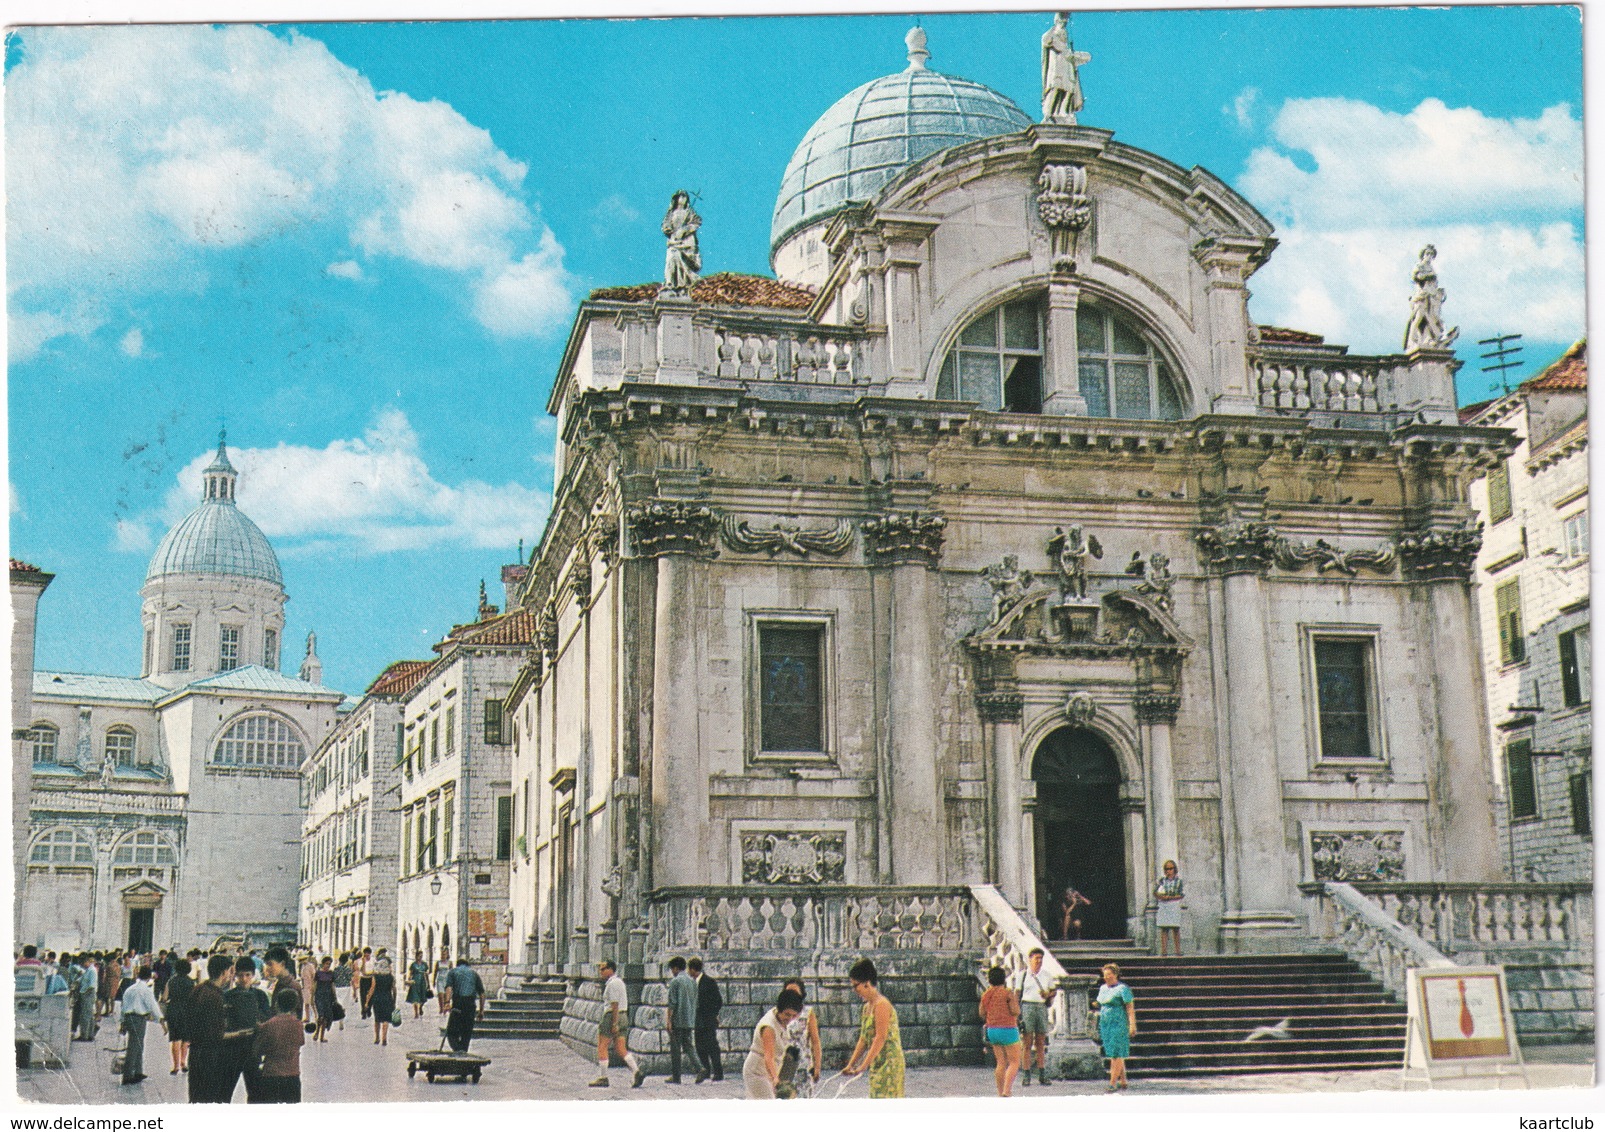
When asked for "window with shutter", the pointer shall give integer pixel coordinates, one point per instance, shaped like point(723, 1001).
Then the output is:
point(1519, 773)
point(1499, 508)
point(493, 722)
point(1507, 610)
point(1582, 819)
point(1574, 689)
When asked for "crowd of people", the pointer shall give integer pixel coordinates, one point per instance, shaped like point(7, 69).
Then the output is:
point(237, 1016)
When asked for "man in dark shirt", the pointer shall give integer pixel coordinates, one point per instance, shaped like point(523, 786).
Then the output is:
point(467, 1000)
point(279, 973)
point(709, 1002)
point(245, 1007)
point(205, 1023)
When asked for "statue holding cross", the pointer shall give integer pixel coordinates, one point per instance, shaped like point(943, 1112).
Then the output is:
point(1061, 86)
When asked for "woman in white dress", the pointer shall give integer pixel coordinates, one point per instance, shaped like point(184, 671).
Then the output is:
point(802, 1035)
point(761, 1071)
point(1167, 916)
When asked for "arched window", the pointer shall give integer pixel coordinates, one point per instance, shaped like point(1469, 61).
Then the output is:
point(259, 741)
point(44, 737)
point(998, 362)
point(143, 848)
point(63, 846)
point(120, 745)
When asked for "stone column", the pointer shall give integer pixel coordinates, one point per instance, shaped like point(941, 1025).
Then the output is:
point(910, 542)
point(1257, 849)
point(1156, 711)
point(1000, 712)
point(676, 534)
point(1061, 384)
point(1228, 262)
point(1441, 561)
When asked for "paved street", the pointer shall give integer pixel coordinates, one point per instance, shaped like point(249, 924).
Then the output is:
point(350, 1068)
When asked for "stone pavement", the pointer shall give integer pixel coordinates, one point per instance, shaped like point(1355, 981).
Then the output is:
point(351, 1068)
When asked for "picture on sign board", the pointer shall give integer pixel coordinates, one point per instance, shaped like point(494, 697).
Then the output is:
point(1465, 1015)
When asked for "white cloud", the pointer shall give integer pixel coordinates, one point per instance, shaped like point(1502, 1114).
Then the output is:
point(138, 150)
point(371, 494)
point(133, 536)
point(611, 213)
point(345, 269)
point(133, 343)
point(1500, 198)
point(27, 332)
point(1245, 106)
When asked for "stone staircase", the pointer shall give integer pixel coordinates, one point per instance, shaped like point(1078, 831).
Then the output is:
point(1194, 1012)
point(525, 1008)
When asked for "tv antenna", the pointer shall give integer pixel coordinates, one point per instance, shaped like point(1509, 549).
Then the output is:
point(1502, 358)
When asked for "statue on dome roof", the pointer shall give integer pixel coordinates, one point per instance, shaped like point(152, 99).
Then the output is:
point(1061, 85)
point(684, 259)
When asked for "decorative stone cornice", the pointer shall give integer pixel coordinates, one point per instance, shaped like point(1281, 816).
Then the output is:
point(661, 526)
point(1238, 548)
point(1157, 707)
point(1000, 706)
point(1446, 554)
point(899, 537)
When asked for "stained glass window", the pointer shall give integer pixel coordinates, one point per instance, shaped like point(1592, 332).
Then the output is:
point(790, 693)
point(1342, 674)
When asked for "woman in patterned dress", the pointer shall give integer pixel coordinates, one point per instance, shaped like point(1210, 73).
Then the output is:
point(1167, 916)
point(802, 1034)
point(880, 1044)
point(1117, 1021)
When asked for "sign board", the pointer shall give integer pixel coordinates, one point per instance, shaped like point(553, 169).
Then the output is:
point(1459, 1020)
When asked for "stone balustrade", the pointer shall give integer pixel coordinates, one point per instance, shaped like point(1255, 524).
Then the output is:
point(1008, 942)
point(1333, 385)
point(1476, 917)
point(826, 356)
point(786, 920)
point(1341, 916)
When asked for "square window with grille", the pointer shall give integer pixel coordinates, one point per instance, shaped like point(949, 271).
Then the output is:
point(790, 688)
point(1344, 688)
point(1519, 776)
point(1575, 667)
point(1507, 611)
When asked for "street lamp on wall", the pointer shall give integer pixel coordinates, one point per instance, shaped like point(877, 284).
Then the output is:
point(434, 885)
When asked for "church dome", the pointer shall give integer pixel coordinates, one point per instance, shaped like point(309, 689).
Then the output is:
point(874, 133)
point(216, 537)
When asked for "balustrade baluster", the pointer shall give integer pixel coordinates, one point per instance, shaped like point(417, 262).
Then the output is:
point(1301, 388)
point(766, 358)
point(749, 353)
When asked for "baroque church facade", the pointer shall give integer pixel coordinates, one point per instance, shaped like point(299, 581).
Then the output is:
point(137, 787)
point(991, 543)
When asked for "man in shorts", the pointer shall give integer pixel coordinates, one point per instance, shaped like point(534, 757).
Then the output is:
point(613, 1027)
point(1036, 992)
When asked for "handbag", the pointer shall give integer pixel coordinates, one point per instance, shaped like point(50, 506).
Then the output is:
point(339, 1011)
point(395, 1016)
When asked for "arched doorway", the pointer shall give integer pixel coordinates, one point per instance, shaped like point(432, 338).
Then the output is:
point(1080, 837)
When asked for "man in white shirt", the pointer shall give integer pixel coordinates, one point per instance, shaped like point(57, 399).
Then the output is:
point(1036, 992)
point(613, 1026)
point(139, 1008)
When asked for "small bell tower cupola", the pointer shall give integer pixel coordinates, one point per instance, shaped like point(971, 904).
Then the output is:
point(219, 477)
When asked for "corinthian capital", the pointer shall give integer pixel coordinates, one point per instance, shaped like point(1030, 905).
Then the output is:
point(659, 526)
point(1239, 548)
point(1446, 554)
point(905, 537)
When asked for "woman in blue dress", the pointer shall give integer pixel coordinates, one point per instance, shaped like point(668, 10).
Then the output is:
point(1117, 1021)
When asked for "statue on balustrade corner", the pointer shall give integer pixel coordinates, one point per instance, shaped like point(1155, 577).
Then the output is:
point(1061, 85)
point(1425, 330)
point(1009, 585)
point(1069, 551)
point(1158, 581)
point(683, 262)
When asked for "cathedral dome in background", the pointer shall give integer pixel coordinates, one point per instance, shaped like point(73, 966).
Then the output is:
point(216, 537)
point(875, 132)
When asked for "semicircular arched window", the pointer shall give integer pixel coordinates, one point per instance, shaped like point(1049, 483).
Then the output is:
point(63, 846)
point(259, 741)
point(999, 363)
point(143, 848)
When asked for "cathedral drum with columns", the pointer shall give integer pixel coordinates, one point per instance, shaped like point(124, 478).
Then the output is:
point(990, 550)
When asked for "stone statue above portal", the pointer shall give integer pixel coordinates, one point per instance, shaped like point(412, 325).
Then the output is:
point(1061, 85)
point(1425, 330)
point(1069, 551)
point(683, 262)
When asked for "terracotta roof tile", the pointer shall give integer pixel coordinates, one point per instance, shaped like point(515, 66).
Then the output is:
point(515, 628)
point(724, 289)
point(1569, 372)
point(399, 678)
point(1467, 412)
point(1281, 335)
point(28, 567)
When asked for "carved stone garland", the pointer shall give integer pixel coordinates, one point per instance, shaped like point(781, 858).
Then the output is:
point(1065, 208)
point(905, 537)
point(786, 536)
point(667, 527)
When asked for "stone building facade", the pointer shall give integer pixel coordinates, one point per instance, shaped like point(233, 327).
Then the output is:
point(139, 787)
point(1533, 601)
point(992, 543)
point(350, 852)
point(454, 793)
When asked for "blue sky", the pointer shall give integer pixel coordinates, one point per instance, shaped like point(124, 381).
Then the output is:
point(361, 244)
